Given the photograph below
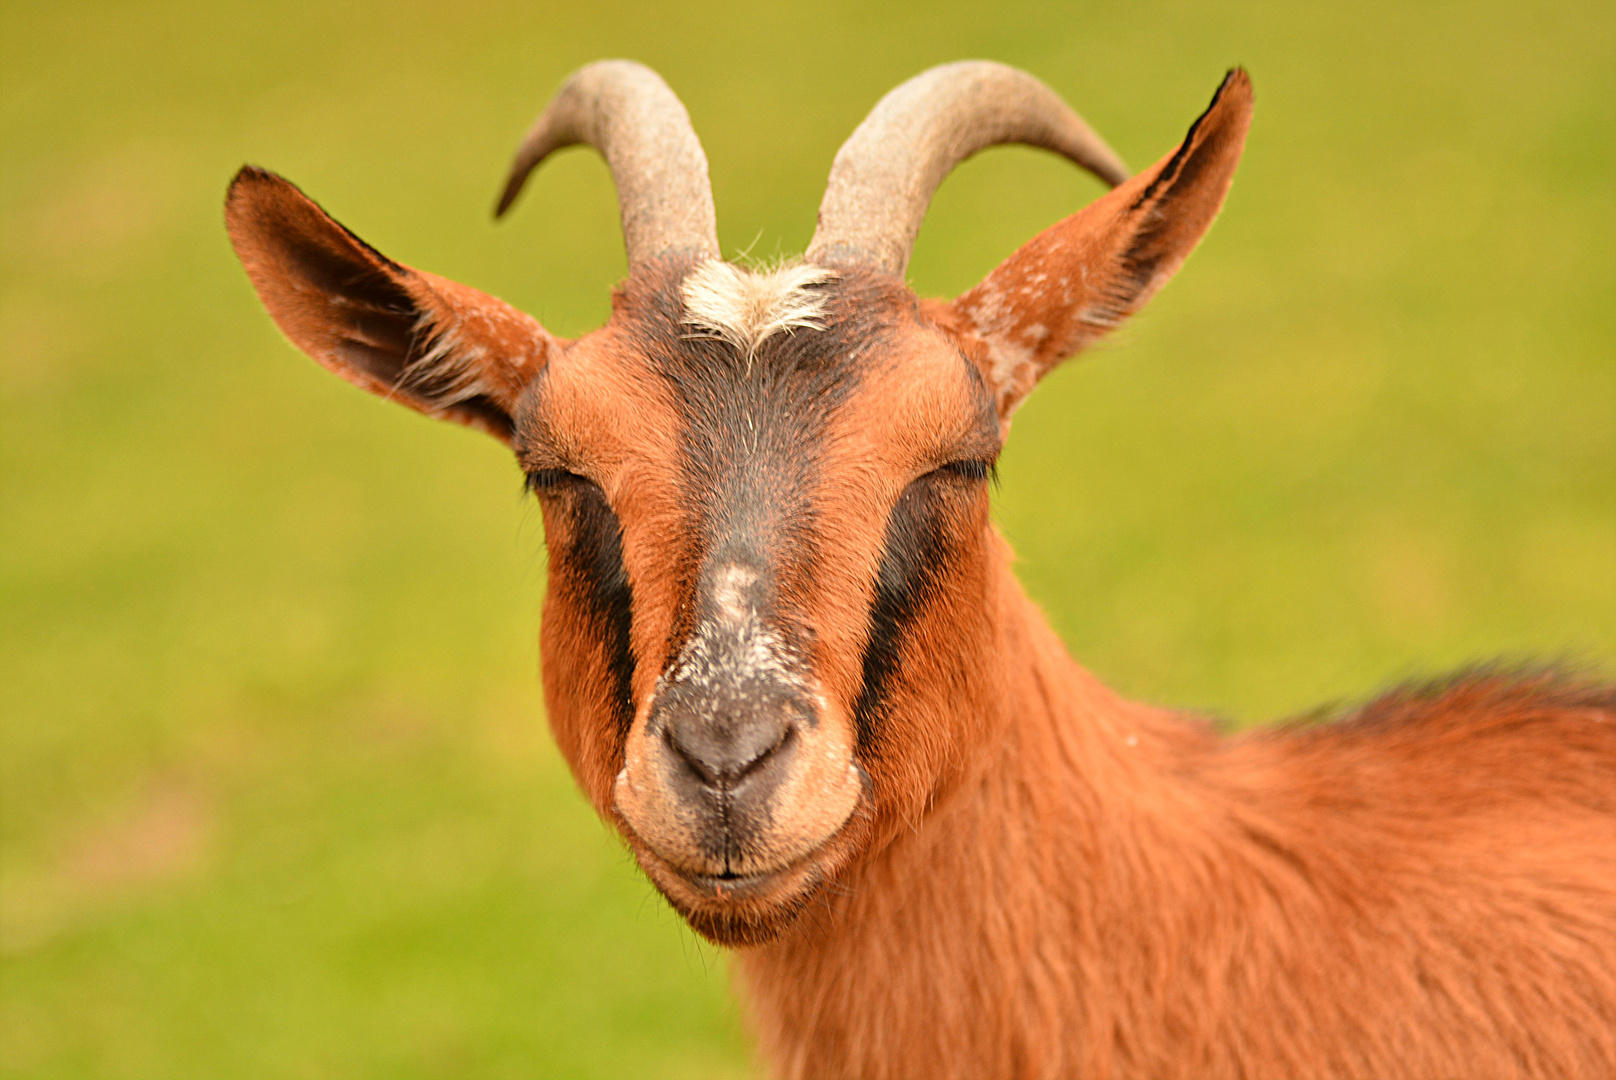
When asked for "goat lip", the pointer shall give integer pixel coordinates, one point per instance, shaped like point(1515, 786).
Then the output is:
point(686, 885)
point(734, 886)
point(713, 892)
point(718, 890)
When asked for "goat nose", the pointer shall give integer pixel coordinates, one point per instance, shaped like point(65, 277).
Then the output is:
point(721, 755)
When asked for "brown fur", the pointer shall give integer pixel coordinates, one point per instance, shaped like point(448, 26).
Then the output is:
point(1036, 877)
point(1107, 890)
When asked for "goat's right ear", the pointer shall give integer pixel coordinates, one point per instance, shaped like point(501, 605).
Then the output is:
point(442, 348)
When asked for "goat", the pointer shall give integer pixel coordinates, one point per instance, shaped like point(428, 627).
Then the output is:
point(784, 653)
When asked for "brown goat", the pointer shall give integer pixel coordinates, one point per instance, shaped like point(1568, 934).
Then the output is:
point(785, 654)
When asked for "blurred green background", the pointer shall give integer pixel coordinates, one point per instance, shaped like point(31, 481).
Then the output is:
point(277, 796)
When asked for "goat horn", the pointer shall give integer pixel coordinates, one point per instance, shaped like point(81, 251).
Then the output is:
point(885, 174)
point(625, 111)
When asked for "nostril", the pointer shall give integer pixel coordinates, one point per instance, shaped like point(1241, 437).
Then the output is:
point(693, 761)
point(788, 732)
point(724, 762)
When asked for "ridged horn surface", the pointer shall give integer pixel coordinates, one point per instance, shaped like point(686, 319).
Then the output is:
point(885, 175)
point(625, 111)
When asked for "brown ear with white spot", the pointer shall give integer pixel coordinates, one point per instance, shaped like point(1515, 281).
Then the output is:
point(442, 348)
point(1082, 276)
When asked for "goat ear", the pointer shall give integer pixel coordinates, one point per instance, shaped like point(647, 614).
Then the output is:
point(439, 347)
point(1082, 276)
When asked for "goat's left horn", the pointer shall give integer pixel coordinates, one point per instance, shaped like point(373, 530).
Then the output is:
point(625, 111)
point(886, 173)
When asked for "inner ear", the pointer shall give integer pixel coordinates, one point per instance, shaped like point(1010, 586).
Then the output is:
point(376, 326)
point(437, 346)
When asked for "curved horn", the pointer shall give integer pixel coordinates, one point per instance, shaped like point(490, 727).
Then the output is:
point(625, 110)
point(887, 171)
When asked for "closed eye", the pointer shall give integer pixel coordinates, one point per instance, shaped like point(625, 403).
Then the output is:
point(973, 469)
point(542, 481)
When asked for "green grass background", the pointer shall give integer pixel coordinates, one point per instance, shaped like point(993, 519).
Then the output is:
point(276, 798)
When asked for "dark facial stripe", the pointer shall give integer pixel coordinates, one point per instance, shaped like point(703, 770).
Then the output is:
point(916, 552)
point(586, 566)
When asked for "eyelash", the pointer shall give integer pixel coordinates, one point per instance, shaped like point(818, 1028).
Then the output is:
point(542, 480)
point(970, 469)
point(973, 469)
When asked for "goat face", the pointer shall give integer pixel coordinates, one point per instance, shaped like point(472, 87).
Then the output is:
point(746, 539)
point(770, 601)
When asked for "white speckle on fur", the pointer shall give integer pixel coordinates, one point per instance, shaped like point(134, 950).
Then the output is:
point(1009, 360)
point(730, 592)
point(995, 321)
point(746, 307)
point(734, 648)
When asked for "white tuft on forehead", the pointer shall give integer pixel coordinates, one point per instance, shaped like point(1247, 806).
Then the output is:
point(747, 307)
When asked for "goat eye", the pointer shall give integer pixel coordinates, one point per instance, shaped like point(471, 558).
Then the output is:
point(973, 469)
point(541, 481)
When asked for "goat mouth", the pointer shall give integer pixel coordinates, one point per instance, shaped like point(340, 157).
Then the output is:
point(743, 909)
point(728, 886)
point(768, 885)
